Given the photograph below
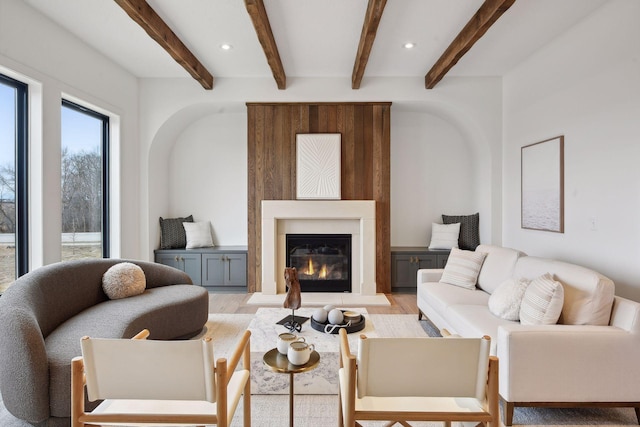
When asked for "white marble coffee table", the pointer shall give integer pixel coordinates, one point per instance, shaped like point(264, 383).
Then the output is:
point(323, 379)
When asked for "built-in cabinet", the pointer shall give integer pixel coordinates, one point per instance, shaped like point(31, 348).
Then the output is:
point(222, 268)
point(406, 261)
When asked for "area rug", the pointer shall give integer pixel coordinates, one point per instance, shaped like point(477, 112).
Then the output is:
point(322, 411)
point(271, 410)
point(225, 329)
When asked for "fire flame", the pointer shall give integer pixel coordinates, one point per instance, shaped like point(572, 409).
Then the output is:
point(310, 271)
point(323, 272)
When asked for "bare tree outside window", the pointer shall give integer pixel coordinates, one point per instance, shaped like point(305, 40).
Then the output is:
point(81, 183)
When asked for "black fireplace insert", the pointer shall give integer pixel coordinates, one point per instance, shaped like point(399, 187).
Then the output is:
point(323, 261)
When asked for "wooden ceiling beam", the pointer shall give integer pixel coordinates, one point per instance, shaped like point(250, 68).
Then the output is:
point(367, 37)
point(477, 26)
point(260, 20)
point(152, 23)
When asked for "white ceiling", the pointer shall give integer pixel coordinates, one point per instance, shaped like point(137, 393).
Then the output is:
point(317, 38)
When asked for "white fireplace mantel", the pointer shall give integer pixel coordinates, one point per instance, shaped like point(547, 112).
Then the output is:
point(355, 217)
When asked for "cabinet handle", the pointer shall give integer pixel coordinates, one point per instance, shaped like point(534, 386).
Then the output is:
point(177, 258)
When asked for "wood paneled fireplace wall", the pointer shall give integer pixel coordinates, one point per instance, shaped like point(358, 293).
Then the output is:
point(366, 132)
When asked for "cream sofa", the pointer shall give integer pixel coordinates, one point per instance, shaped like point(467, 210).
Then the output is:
point(590, 358)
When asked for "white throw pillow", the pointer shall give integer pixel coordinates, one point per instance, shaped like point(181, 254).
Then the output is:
point(123, 280)
point(542, 302)
point(198, 234)
point(462, 268)
point(444, 236)
point(506, 299)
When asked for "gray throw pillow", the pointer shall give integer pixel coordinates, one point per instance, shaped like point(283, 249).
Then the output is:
point(469, 237)
point(172, 233)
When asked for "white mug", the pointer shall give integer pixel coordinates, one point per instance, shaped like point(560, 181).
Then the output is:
point(300, 352)
point(285, 339)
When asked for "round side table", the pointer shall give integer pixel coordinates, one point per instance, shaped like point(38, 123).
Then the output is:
point(279, 363)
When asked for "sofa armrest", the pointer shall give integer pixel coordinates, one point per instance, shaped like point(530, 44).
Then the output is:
point(428, 275)
point(24, 368)
point(577, 363)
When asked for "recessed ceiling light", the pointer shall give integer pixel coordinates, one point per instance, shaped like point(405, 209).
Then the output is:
point(409, 45)
point(226, 46)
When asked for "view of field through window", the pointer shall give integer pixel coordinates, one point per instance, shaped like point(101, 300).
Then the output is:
point(81, 184)
point(7, 185)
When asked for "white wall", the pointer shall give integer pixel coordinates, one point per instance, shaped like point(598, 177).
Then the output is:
point(432, 173)
point(585, 86)
point(56, 64)
point(199, 137)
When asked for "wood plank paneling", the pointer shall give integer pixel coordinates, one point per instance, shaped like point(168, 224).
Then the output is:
point(365, 130)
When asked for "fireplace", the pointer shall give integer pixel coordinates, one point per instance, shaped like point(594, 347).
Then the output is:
point(323, 261)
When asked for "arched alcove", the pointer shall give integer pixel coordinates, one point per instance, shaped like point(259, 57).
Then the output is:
point(185, 176)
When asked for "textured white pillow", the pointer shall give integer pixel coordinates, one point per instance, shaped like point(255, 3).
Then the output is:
point(542, 302)
point(444, 236)
point(506, 299)
point(123, 280)
point(198, 234)
point(462, 268)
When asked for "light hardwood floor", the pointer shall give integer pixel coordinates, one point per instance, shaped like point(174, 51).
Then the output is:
point(237, 303)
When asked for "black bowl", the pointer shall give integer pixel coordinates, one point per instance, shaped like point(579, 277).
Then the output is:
point(356, 326)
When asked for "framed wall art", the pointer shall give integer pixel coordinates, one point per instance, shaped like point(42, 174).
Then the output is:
point(542, 185)
point(318, 158)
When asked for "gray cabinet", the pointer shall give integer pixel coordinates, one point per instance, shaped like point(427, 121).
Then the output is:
point(182, 260)
point(221, 268)
point(224, 269)
point(406, 261)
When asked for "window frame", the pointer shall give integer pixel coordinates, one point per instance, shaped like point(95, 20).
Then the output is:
point(22, 173)
point(106, 220)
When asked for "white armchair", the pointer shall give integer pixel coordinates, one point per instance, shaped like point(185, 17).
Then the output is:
point(418, 379)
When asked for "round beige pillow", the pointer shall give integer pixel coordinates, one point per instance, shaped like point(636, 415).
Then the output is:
point(123, 280)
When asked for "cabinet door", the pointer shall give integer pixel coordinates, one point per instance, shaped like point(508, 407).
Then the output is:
point(213, 269)
point(189, 263)
point(403, 271)
point(236, 274)
point(442, 261)
point(425, 261)
point(170, 259)
point(404, 268)
point(224, 269)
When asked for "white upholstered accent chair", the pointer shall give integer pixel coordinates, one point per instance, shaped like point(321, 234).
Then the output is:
point(169, 382)
point(418, 379)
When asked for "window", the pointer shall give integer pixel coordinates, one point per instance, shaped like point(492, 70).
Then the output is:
point(13, 181)
point(84, 186)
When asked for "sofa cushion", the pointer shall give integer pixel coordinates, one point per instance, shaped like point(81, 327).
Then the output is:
point(441, 295)
point(588, 295)
point(444, 236)
point(475, 321)
point(462, 268)
point(498, 266)
point(122, 318)
point(469, 237)
point(505, 301)
point(542, 302)
point(198, 234)
point(172, 234)
point(123, 280)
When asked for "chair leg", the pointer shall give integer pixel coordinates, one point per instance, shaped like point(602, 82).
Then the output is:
point(508, 413)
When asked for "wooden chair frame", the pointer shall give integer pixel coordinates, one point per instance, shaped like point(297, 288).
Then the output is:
point(223, 372)
point(490, 417)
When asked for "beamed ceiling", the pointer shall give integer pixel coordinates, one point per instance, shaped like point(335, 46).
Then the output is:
point(352, 39)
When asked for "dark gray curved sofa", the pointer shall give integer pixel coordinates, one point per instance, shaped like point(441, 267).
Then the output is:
point(44, 314)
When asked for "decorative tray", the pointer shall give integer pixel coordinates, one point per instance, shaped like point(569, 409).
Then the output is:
point(328, 328)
